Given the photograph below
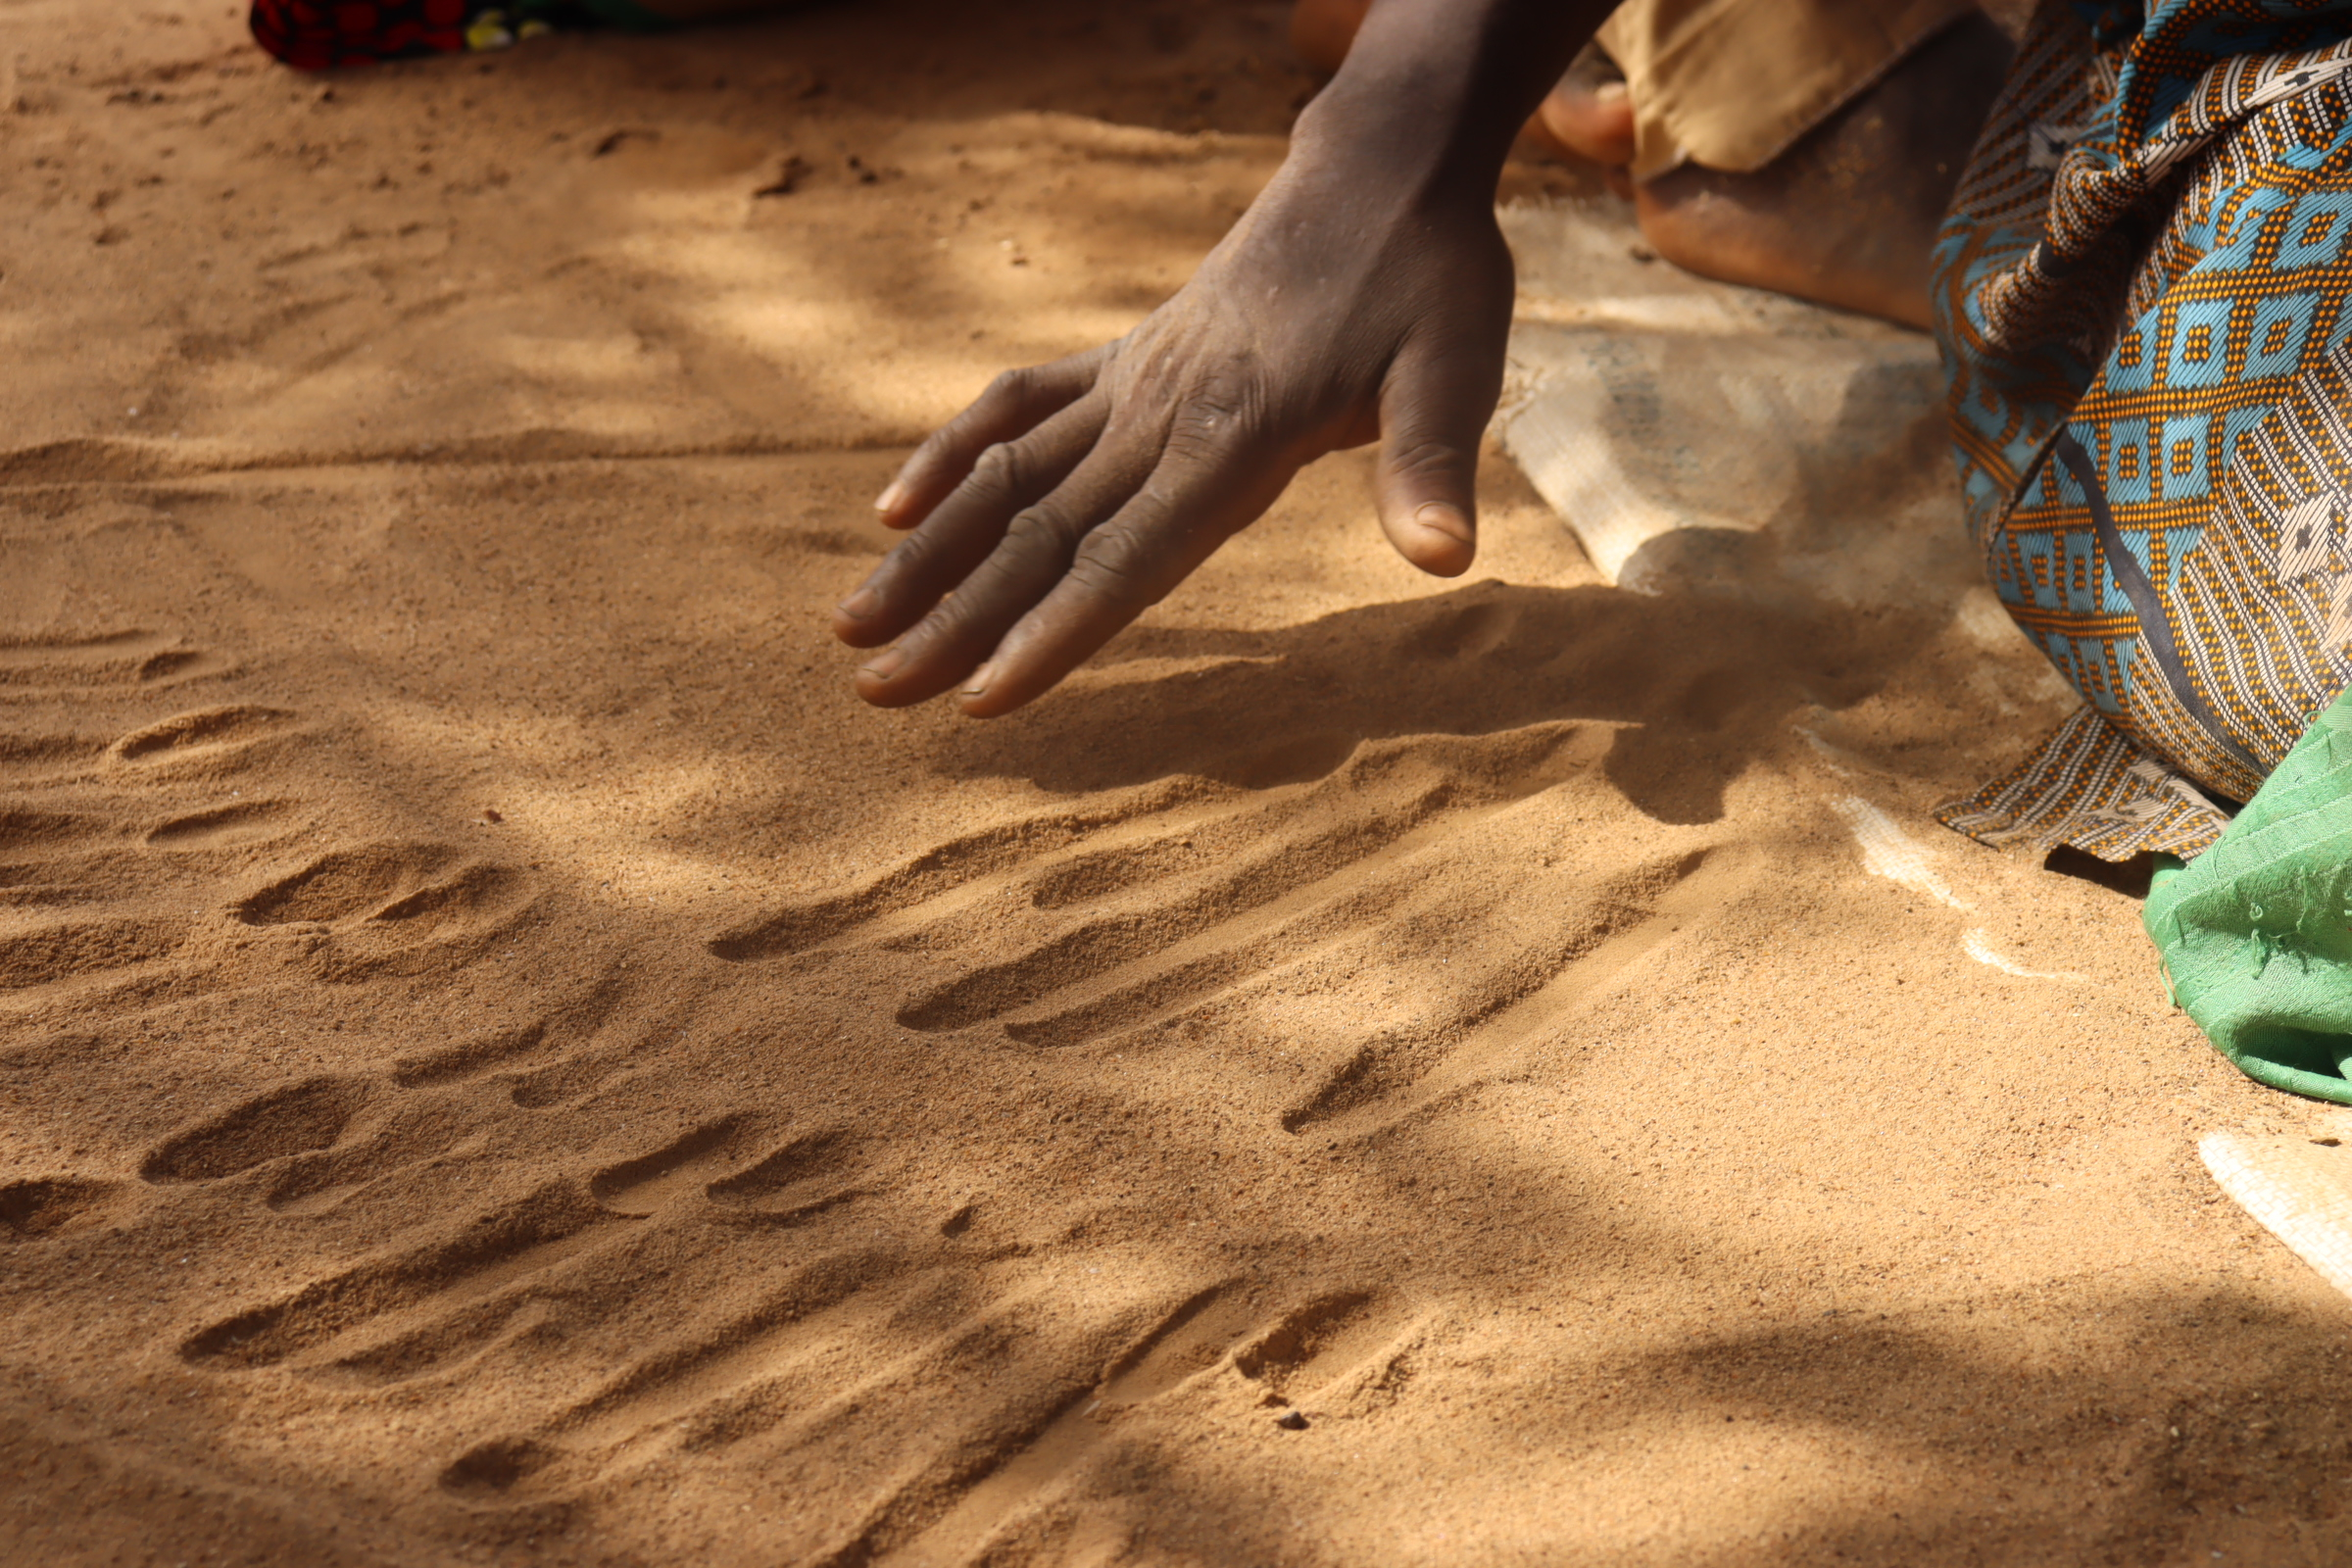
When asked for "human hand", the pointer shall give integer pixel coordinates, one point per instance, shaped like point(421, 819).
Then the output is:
point(1348, 304)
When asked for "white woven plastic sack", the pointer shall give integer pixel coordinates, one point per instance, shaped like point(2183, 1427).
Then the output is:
point(1686, 427)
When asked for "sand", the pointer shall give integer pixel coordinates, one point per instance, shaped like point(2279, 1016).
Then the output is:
point(504, 1060)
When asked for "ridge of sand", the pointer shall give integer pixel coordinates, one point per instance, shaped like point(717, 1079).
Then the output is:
point(504, 1061)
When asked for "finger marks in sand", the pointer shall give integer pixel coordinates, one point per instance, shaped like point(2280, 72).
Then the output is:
point(51, 952)
point(564, 1083)
point(804, 1177)
point(951, 876)
point(1213, 1347)
point(700, 1383)
point(204, 738)
point(647, 1183)
point(493, 1279)
point(285, 1121)
point(1119, 928)
point(51, 667)
point(479, 1266)
point(485, 1051)
point(1348, 857)
point(384, 1149)
point(49, 858)
point(343, 883)
point(41, 1207)
point(399, 907)
point(231, 826)
point(1598, 937)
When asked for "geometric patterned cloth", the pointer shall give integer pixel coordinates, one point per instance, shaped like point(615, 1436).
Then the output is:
point(2145, 302)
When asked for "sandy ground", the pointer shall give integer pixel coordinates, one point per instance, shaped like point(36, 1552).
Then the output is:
point(503, 1059)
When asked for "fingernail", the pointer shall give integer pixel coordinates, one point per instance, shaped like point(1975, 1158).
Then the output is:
point(978, 683)
point(890, 498)
point(1608, 92)
point(1440, 517)
point(883, 665)
point(859, 605)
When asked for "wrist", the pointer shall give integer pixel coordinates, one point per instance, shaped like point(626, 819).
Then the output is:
point(1436, 90)
point(1380, 146)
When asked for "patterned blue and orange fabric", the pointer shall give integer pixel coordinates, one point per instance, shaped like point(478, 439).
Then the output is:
point(2142, 303)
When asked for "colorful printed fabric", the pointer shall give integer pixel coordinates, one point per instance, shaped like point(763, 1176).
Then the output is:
point(2141, 299)
point(327, 34)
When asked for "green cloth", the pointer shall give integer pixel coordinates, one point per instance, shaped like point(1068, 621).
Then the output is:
point(2256, 933)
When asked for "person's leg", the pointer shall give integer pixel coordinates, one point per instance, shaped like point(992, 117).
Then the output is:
point(1847, 216)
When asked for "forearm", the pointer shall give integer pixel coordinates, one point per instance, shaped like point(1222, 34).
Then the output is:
point(1437, 89)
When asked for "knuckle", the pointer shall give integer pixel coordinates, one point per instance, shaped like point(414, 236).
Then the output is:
point(1014, 386)
point(1037, 530)
point(1191, 440)
point(1216, 418)
point(997, 474)
point(908, 554)
point(1114, 569)
point(1427, 455)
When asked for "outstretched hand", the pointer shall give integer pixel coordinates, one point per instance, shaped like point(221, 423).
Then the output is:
point(1347, 305)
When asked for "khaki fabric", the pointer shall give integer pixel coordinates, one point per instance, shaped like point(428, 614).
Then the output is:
point(1730, 84)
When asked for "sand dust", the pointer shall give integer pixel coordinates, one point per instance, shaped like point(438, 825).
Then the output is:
point(504, 1060)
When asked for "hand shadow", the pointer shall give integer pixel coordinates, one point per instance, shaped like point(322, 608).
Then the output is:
point(1702, 684)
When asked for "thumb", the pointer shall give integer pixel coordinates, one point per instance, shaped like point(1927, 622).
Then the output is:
point(1433, 410)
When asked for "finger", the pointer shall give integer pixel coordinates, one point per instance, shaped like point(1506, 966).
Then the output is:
point(1433, 410)
point(1015, 404)
point(1122, 568)
point(961, 531)
point(1034, 552)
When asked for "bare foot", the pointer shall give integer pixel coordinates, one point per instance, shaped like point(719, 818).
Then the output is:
point(1849, 214)
point(1589, 112)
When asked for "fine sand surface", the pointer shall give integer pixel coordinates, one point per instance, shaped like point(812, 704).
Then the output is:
point(504, 1060)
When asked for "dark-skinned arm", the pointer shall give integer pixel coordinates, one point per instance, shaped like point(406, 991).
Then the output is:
point(1366, 294)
